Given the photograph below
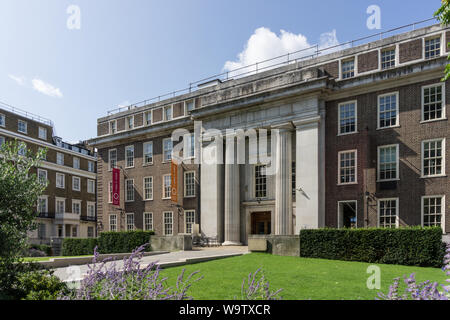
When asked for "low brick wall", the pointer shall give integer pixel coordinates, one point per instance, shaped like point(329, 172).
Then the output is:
point(281, 245)
point(171, 243)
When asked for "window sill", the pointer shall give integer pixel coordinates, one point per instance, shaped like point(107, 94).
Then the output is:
point(347, 133)
point(190, 196)
point(129, 167)
point(388, 180)
point(166, 198)
point(347, 184)
point(433, 120)
point(147, 164)
point(434, 176)
point(391, 127)
point(148, 199)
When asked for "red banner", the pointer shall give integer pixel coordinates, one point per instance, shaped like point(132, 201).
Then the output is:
point(174, 182)
point(116, 187)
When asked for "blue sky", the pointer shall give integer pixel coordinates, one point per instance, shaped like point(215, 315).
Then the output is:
point(127, 51)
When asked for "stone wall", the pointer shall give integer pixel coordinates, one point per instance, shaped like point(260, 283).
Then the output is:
point(171, 243)
point(281, 245)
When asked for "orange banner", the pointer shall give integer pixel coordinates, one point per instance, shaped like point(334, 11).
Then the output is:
point(174, 182)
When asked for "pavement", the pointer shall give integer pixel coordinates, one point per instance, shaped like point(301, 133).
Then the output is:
point(177, 258)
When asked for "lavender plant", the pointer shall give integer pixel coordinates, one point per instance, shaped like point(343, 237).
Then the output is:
point(133, 282)
point(257, 288)
point(423, 291)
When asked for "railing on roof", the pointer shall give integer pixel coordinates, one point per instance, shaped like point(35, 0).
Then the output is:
point(26, 114)
point(291, 57)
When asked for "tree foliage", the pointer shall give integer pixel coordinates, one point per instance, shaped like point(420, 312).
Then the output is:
point(443, 15)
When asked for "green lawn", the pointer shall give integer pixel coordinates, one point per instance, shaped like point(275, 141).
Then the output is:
point(29, 259)
point(300, 278)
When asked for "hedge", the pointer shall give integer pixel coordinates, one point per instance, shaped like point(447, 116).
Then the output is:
point(415, 246)
point(107, 242)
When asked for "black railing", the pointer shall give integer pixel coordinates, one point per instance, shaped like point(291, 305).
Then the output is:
point(88, 218)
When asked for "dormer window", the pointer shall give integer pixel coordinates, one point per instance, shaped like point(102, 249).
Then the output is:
point(432, 47)
point(348, 68)
point(168, 113)
point(130, 122)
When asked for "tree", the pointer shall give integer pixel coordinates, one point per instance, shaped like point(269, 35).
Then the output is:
point(443, 15)
point(19, 193)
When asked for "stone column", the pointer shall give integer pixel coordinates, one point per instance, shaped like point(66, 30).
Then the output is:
point(232, 201)
point(283, 181)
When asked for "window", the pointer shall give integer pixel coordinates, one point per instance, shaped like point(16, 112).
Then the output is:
point(432, 47)
point(91, 186)
point(60, 180)
point(148, 188)
point(42, 133)
point(130, 221)
point(90, 232)
point(22, 126)
point(22, 149)
point(168, 113)
point(76, 184)
point(189, 184)
point(110, 192)
point(167, 150)
point(44, 156)
point(60, 158)
point(60, 206)
point(42, 206)
point(76, 206)
point(41, 231)
point(74, 231)
point(148, 152)
point(433, 102)
point(112, 127)
point(387, 59)
point(148, 118)
point(432, 211)
point(189, 220)
point(347, 217)
point(388, 163)
point(167, 186)
point(76, 163)
point(2, 120)
point(112, 159)
point(129, 185)
point(388, 110)
point(347, 167)
point(148, 221)
point(112, 222)
point(347, 117)
point(42, 176)
point(130, 122)
point(387, 213)
point(91, 209)
point(433, 152)
point(129, 154)
point(91, 167)
point(348, 68)
point(260, 181)
point(189, 146)
point(168, 223)
point(190, 105)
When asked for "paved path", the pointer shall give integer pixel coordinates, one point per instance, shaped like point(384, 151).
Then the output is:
point(76, 273)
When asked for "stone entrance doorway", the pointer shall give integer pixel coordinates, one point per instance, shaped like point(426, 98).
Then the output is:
point(261, 222)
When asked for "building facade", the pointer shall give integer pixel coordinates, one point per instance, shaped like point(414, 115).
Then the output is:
point(68, 206)
point(357, 138)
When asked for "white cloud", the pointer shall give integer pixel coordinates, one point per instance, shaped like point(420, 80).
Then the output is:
point(264, 44)
point(19, 80)
point(46, 88)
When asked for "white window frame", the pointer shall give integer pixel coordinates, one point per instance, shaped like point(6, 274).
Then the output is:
point(339, 117)
point(185, 184)
point(394, 48)
point(144, 188)
point(397, 220)
point(127, 224)
point(144, 225)
point(63, 200)
point(2, 123)
point(73, 183)
point(341, 65)
point(144, 163)
point(39, 171)
point(78, 202)
point(113, 127)
point(63, 180)
point(170, 107)
point(60, 155)
point(397, 108)
point(90, 204)
point(186, 105)
point(91, 182)
point(129, 148)
point(441, 46)
point(46, 204)
point(110, 189)
point(422, 90)
point(442, 209)
point(164, 186)
point(93, 232)
point(186, 222)
point(254, 180)
point(115, 222)
point(91, 166)
point(151, 117)
point(127, 122)
point(164, 223)
point(397, 168)
point(355, 151)
point(75, 159)
point(42, 130)
point(109, 159)
point(443, 158)
point(126, 190)
point(165, 151)
point(25, 124)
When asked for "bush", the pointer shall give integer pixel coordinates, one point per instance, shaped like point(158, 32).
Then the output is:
point(107, 242)
point(78, 247)
point(32, 248)
point(41, 285)
point(123, 242)
point(406, 246)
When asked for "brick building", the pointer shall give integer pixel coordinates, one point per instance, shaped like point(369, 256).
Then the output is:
point(360, 140)
point(68, 206)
